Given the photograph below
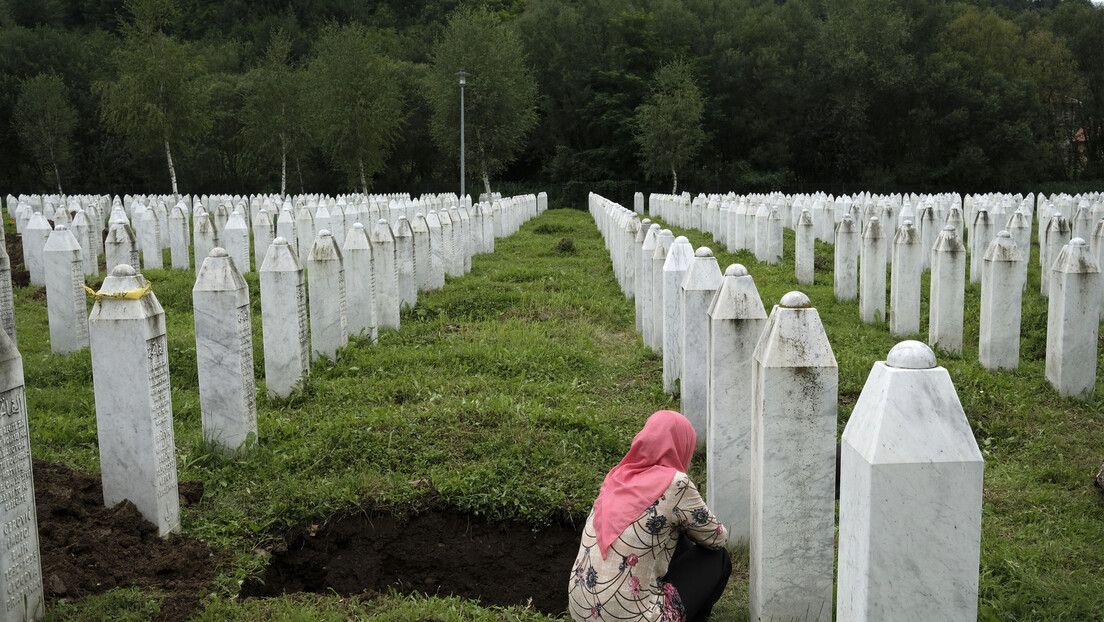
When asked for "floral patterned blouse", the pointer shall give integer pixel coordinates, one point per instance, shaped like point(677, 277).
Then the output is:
point(627, 585)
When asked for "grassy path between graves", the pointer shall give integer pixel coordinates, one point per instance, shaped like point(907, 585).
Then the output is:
point(512, 391)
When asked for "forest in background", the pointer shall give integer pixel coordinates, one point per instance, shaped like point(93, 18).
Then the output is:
point(798, 95)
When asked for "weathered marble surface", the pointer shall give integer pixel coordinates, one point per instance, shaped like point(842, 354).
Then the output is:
point(437, 251)
point(121, 246)
point(846, 273)
point(679, 256)
point(793, 467)
point(948, 291)
point(7, 298)
point(736, 320)
point(204, 238)
point(1057, 234)
point(134, 418)
point(326, 297)
point(20, 563)
point(1073, 321)
point(1001, 295)
point(384, 276)
point(664, 239)
point(981, 234)
point(285, 228)
point(359, 285)
point(235, 241)
point(910, 497)
point(149, 240)
point(904, 291)
point(404, 262)
point(872, 273)
point(34, 240)
point(224, 352)
point(803, 248)
point(699, 285)
point(66, 301)
point(179, 235)
point(284, 319)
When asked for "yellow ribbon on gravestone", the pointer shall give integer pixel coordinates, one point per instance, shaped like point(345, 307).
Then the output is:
point(134, 294)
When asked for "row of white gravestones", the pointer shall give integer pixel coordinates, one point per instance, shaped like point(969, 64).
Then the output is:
point(1000, 316)
point(771, 475)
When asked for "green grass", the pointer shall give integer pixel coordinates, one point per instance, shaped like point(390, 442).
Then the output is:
point(514, 389)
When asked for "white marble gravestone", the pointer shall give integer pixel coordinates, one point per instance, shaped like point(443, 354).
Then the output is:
point(359, 286)
point(904, 291)
point(264, 232)
point(326, 297)
point(644, 283)
point(1019, 226)
point(21, 592)
point(405, 263)
point(846, 263)
point(910, 497)
point(304, 229)
point(679, 257)
point(134, 418)
point(121, 246)
point(82, 228)
point(1058, 234)
point(224, 352)
point(872, 273)
point(7, 299)
point(204, 238)
point(384, 276)
point(981, 234)
point(34, 239)
point(179, 235)
point(449, 250)
point(1001, 295)
point(66, 301)
point(149, 240)
point(664, 239)
point(1073, 320)
point(234, 238)
point(948, 291)
point(284, 319)
point(436, 251)
point(793, 466)
point(803, 248)
point(699, 285)
point(285, 228)
point(736, 320)
point(422, 269)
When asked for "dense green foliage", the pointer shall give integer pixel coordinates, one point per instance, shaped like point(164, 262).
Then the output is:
point(668, 124)
point(44, 120)
point(798, 94)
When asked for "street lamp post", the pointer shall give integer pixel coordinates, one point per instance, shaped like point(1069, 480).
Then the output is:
point(463, 75)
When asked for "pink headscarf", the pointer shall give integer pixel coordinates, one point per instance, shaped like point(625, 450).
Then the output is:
point(663, 447)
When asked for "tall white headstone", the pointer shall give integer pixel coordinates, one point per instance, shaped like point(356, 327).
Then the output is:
point(34, 240)
point(66, 301)
point(664, 239)
point(1073, 320)
point(21, 593)
point(204, 238)
point(803, 248)
point(179, 236)
point(422, 268)
point(736, 320)
point(405, 262)
point(904, 291)
point(359, 286)
point(948, 291)
point(7, 299)
point(121, 246)
point(149, 240)
point(872, 273)
point(793, 466)
point(679, 257)
point(1001, 295)
point(846, 273)
point(436, 251)
point(235, 240)
point(134, 419)
point(224, 352)
point(284, 319)
point(326, 284)
point(910, 497)
point(385, 276)
point(700, 284)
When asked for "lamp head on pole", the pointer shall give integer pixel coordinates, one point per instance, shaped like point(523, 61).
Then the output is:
point(463, 75)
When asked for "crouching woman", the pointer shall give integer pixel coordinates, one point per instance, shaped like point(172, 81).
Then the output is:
point(651, 549)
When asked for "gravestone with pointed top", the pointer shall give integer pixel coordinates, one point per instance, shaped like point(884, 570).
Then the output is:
point(359, 285)
point(36, 232)
point(664, 239)
point(405, 261)
point(904, 291)
point(846, 273)
point(1073, 320)
point(121, 246)
point(910, 496)
point(134, 418)
point(736, 320)
point(1058, 234)
point(284, 319)
point(7, 299)
point(224, 352)
point(872, 273)
point(793, 466)
point(235, 240)
point(204, 238)
point(1001, 295)
point(679, 257)
point(179, 235)
point(436, 251)
point(948, 291)
point(66, 301)
point(384, 275)
point(803, 248)
point(326, 297)
point(703, 278)
point(149, 240)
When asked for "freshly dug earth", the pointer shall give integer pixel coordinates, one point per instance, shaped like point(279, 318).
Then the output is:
point(439, 552)
point(89, 549)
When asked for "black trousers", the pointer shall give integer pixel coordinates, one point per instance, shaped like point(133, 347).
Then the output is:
point(700, 576)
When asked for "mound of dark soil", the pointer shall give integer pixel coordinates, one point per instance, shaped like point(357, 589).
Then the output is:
point(434, 552)
point(88, 548)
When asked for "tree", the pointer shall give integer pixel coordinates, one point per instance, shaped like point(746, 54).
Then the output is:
point(272, 116)
point(669, 125)
point(500, 97)
point(45, 120)
point(160, 96)
point(355, 99)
